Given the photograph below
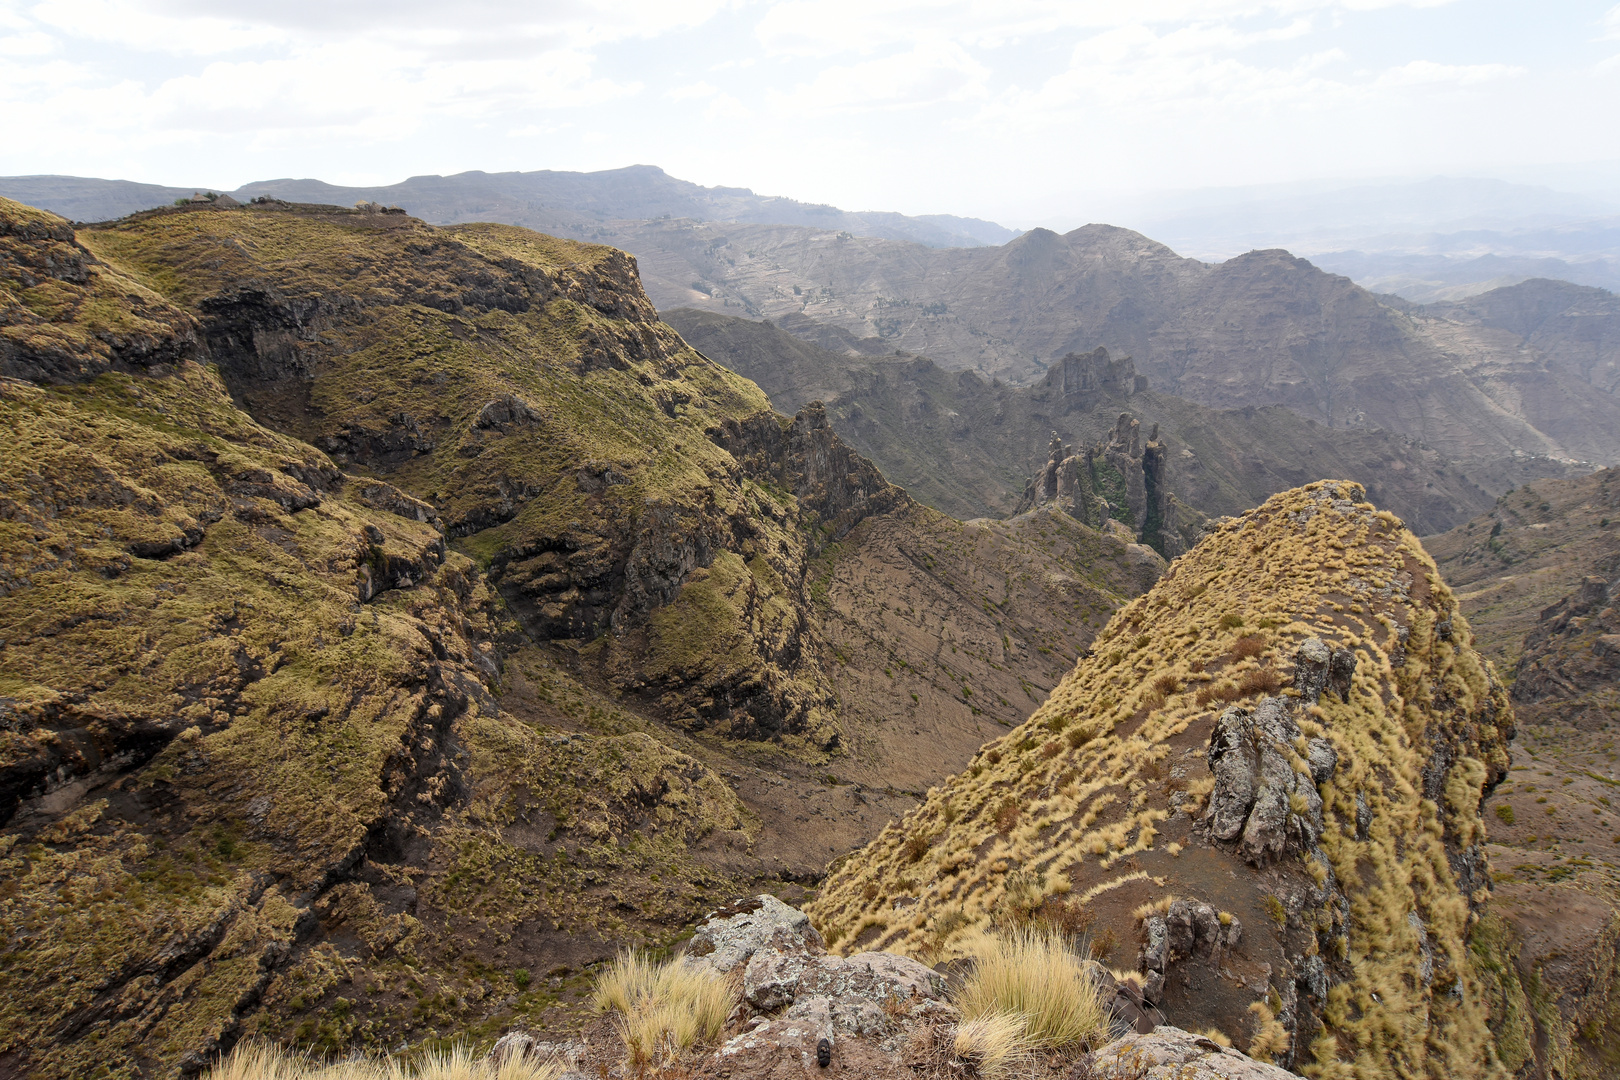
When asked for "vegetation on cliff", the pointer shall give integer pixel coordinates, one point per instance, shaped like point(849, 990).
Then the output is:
point(1314, 640)
point(382, 606)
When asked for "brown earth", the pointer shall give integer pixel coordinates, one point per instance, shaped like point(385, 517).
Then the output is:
point(1534, 577)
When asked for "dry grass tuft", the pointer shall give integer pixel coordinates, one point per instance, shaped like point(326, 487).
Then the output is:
point(662, 1008)
point(260, 1061)
point(1270, 1037)
point(992, 1044)
point(1260, 681)
point(1248, 646)
point(1032, 974)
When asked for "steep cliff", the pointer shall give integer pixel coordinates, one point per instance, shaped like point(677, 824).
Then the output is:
point(1261, 790)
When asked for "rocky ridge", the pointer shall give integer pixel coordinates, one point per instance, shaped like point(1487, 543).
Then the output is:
point(876, 1015)
point(1266, 778)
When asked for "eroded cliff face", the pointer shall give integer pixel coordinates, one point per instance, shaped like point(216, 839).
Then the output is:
point(1261, 790)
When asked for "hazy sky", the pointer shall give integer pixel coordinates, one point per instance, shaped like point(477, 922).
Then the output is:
point(1007, 109)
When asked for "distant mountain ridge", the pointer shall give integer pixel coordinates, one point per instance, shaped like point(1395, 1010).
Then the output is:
point(568, 204)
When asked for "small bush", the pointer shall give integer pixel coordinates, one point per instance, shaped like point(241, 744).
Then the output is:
point(662, 1007)
point(1064, 916)
point(915, 847)
point(1078, 737)
point(993, 757)
point(869, 891)
point(1166, 685)
point(258, 1061)
point(992, 1045)
point(1031, 974)
point(1274, 908)
point(1249, 645)
point(1505, 812)
point(1007, 816)
point(1260, 681)
point(1231, 621)
point(1052, 749)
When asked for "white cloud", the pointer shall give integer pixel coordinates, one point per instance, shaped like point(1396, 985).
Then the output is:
point(691, 90)
point(825, 27)
point(1428, 73)
point(26, 44)
point(932, 72)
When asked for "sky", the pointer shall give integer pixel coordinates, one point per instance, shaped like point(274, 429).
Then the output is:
point(1012, 110)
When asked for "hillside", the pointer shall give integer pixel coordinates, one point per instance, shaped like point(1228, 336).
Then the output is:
point(572, 204)
point(1265, 784)
point(398, 619)
point(966, 445)
point(1537, 578)
point(1259, 329)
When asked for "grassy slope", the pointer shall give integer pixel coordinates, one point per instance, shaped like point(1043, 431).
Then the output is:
point(1091, 811)
point(273, 784)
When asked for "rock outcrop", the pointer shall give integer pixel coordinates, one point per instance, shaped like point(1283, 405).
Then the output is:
point(1118, 479)
point(1268, 774)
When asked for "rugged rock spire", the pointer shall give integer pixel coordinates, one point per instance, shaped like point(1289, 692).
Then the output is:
point(1116, 479)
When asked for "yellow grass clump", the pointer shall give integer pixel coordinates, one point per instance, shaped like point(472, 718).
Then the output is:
point(992, 1044)
point(1032, 974)
point(262, 1061)
point(663, 1008)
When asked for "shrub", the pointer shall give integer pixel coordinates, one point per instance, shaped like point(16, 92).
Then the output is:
point(1078, 737)
point(1064, 916)
point(1031, 974)
point(1052, 748)
point(1231, 621)
point(1006, 816)
point(259, 1061)
point(662, 1007)
point(1505, 812)
point(1248, 645)
point(1166, 685)
point(992, 1045)
point(1260, 681)
point(1274, 908)
point(915, 847)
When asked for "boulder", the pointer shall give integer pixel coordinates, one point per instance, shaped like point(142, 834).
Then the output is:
point(1169, 1053)
point(730, 937)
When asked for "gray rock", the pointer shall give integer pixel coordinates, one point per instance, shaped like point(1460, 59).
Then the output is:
point(773, 979)
point(1311, 976)
point(1234, 760)
point(1340, 673)
point(1256, 787)
point(730, 937)
point(1311, 662)
point(1323, 758)
point(1169, 1053)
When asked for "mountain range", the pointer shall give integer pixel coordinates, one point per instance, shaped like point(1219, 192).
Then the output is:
point(400, 619)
